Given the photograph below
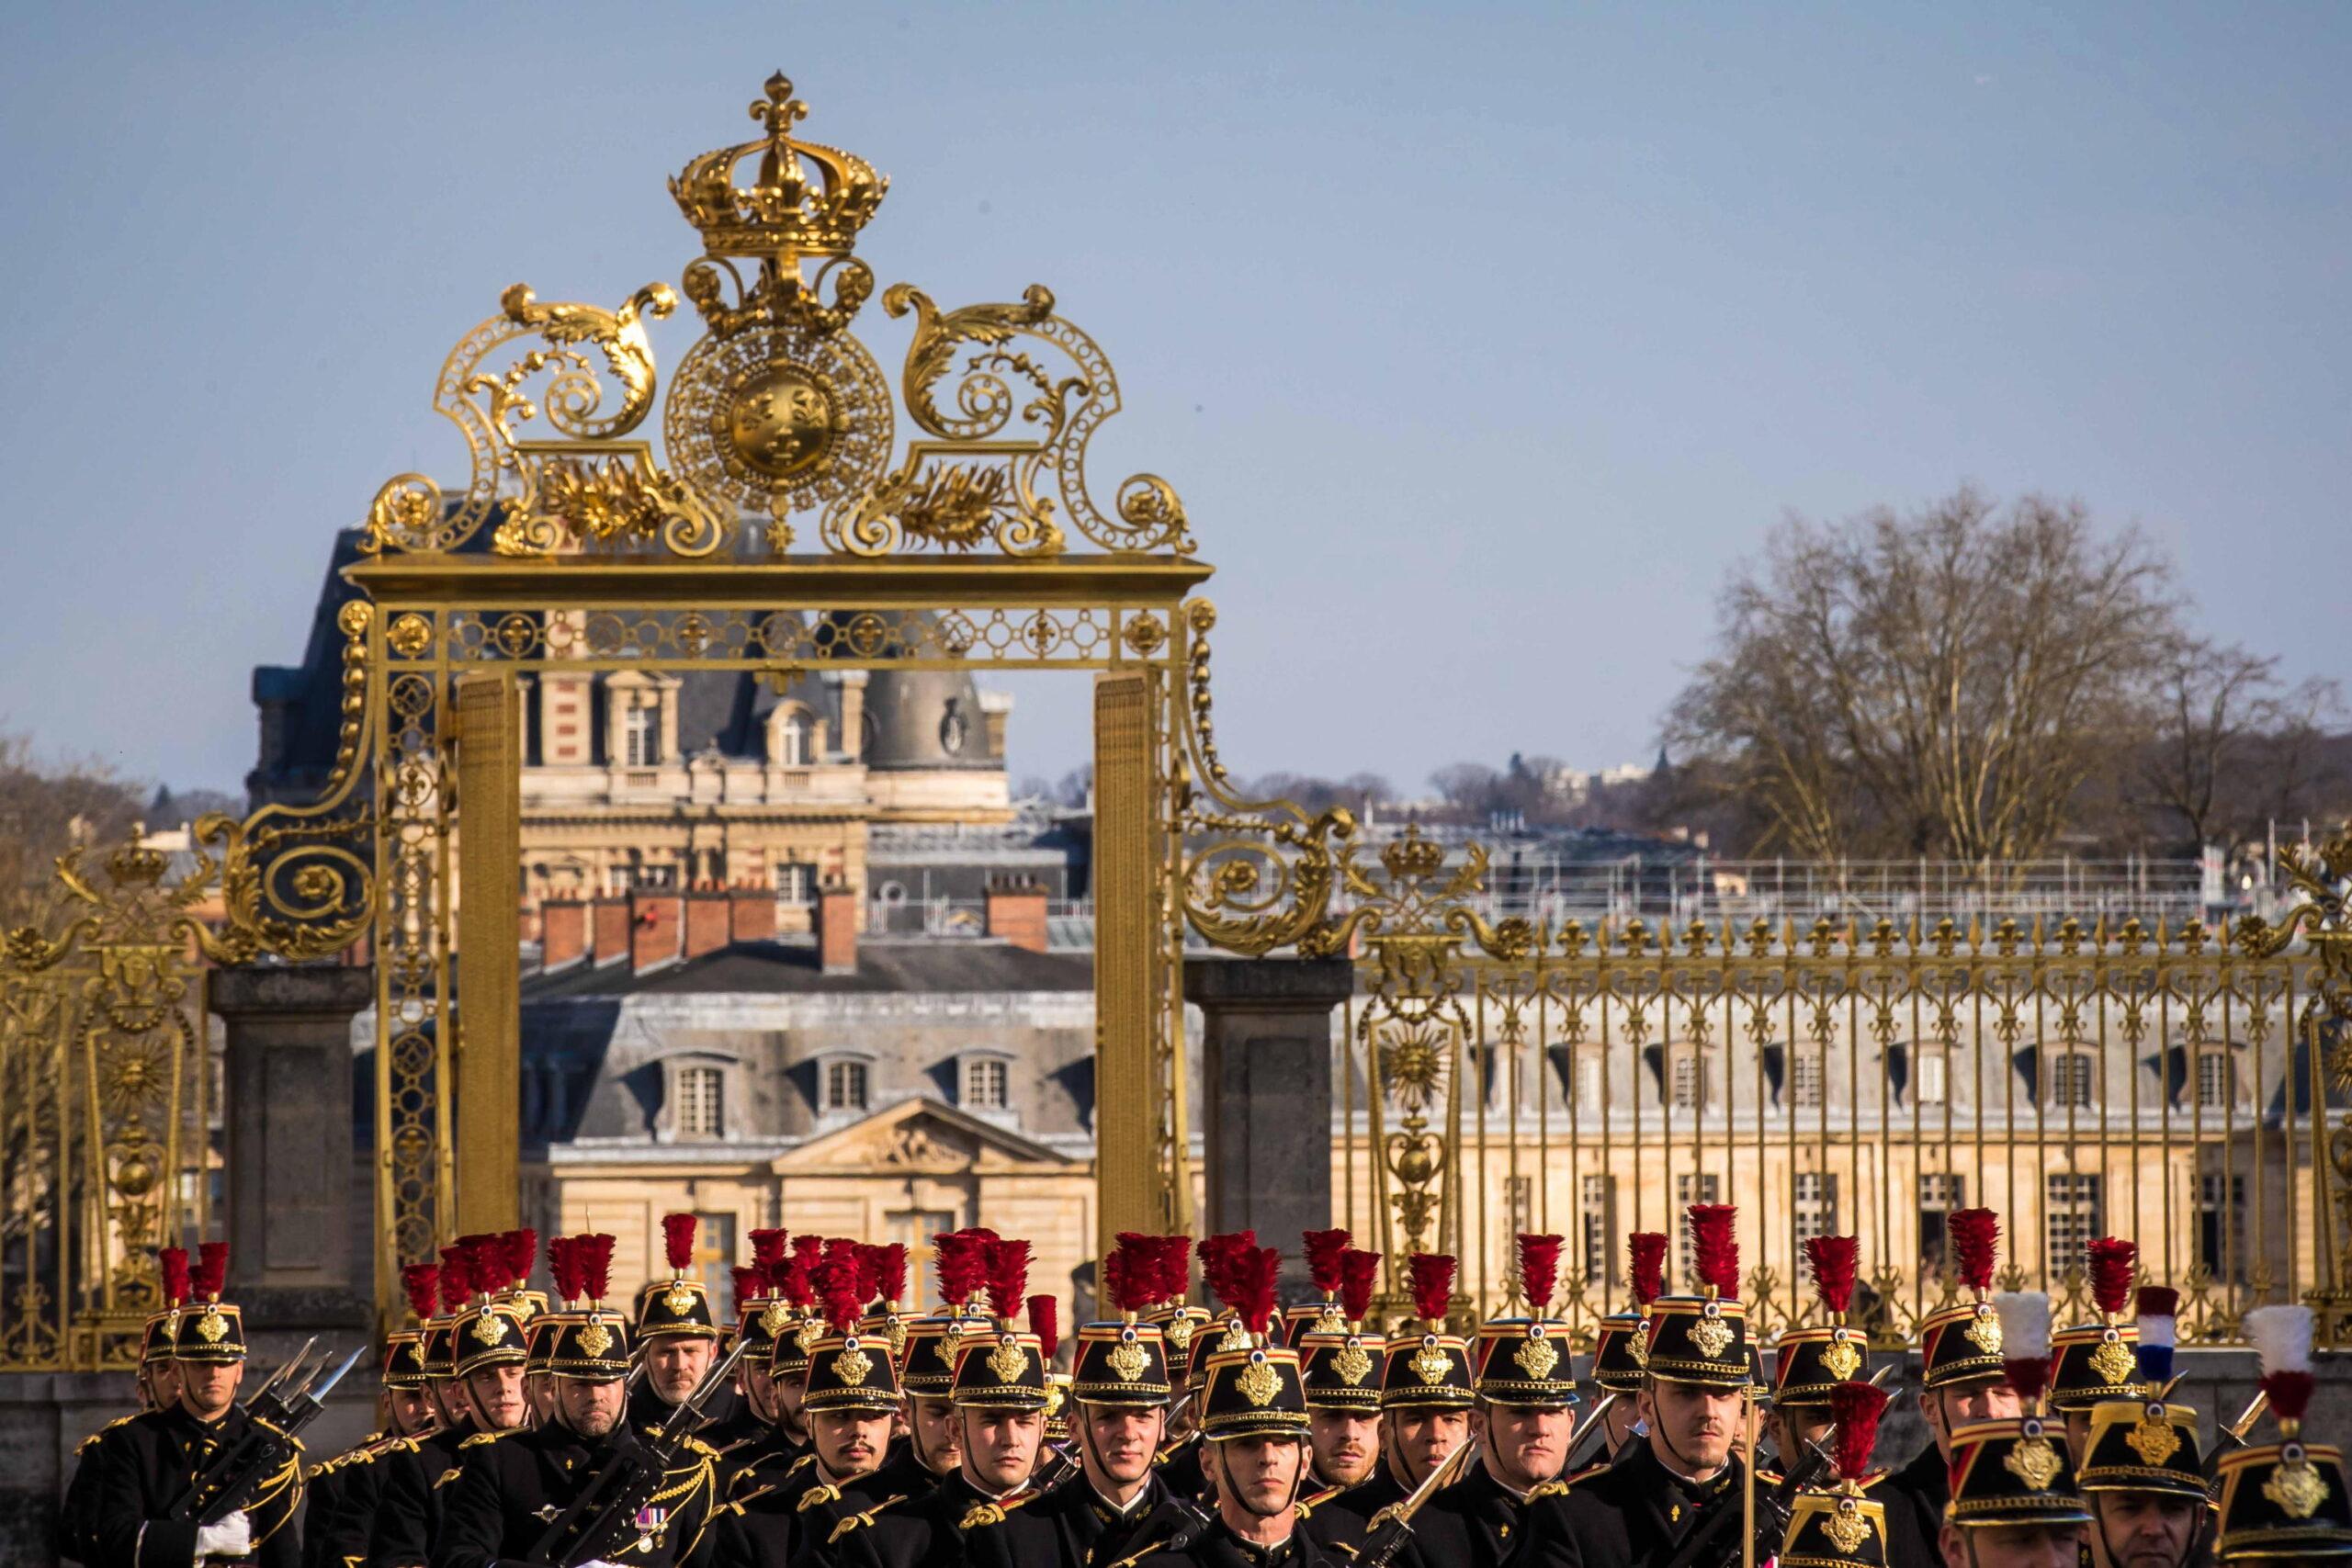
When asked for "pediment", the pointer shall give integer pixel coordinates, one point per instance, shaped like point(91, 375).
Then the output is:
point(918, 1137)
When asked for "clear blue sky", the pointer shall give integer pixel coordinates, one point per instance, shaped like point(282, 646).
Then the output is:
point(1480, 340)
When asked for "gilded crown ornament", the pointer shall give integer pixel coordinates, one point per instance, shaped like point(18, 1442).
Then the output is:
point(803, 199)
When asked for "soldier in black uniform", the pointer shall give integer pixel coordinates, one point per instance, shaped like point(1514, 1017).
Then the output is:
point(146, 1467)
point(677, 1336)
point(1425, 1400)
point(790, 1327)
point(1834, 1522)
point(1960, 1384)
point(1525, 1383)
point(788, 1519)
point(2014, 1503)
point(934, 1445)
point(1341, 1368)
point(2143, 1473)
point(343, 1490)
point(2092, 1362)
point(473, 1359)
point(1620, 1343)
point(510, 1486)
point(1636, 1513)
point(755, 1441)
point(158, 1384)
point(1254, 1422)
point(1190, 1332)
point(2283, 1503)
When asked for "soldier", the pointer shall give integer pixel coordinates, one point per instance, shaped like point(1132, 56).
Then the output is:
point(1694, 1402)
point(999, 1397)
point(1520, 1426)
point(1342, 1372)
point(2141, 1471)
point(2093, 1361)
point(473, 1358)
point(851, 1400)
point(2284, 1504)
point(1254, 1423)
point(1620, 1348)
point(1960, 1384)
point(756, 1297)
point(792, 1325)
point(1119, 1391)
point(512, 1483)
point(147, 1467)
point(1184, 1328)
point(158, 1384)
point(2014, 1501)
point(344, 1491)
point(1839, 1525)
point(677, 1336)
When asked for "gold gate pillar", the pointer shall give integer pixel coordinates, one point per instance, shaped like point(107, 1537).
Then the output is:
point(488, 1054)
point(1125, 881)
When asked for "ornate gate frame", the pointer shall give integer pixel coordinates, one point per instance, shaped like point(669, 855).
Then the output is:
point(600, 557)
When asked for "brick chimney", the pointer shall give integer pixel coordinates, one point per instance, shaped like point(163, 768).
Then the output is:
point(609, 927)
point(564, 932)
point(1016, 914)
point(654, 922)
point(705, 922)
point(837, 921)
point(750, 913)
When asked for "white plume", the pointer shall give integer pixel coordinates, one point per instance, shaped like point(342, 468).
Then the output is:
point(2157, 1332)
point(2281, 1338)
point(2025, 1325)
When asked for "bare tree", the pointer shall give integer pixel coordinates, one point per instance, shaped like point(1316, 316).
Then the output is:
point(45, 808)
point(2226, 736)
point(1937, 684)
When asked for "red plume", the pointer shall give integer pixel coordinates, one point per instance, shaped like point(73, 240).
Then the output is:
point(1324, 1250)
point(1173, 1262)
point(868, 1259)
point(2112, 1260)
point(1714, 1247)
point(1433, 1285)
point(423, 1283)
point(173, 1261)
point(892, 1259)
point(1539, 1269)
point(837, 1283)
point(521, 1251)
point(563, 1267)
point(1008, 1274)
point(808, 1248)
point(1359, 1272)
point(1044, 1322)
point(2029, 1376)
point(1975, 1243)
point(1217, 1255)
point(595, 1264)
point(2290, 1393)
point(792, 1279)
point(1648, 1251)
point(678, 1241)
point(1833, 1259)
point(1856, 1407)
point(751, 1280)
point(456, 1276)
point(211, 1270)
point(767, 1247)
point(961, 1266)
point(1250, 1273)
point(488, 1260)
point(1132, 1273)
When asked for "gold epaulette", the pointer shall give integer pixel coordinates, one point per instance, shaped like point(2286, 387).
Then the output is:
point(803, 1462)
point(1558, 1487)
point(1307, 1505)
point(817, 1496)
point(479, 1439)
point(856, 1520)
point(696, 1445)
point(84, 1446)
point(980, 1514)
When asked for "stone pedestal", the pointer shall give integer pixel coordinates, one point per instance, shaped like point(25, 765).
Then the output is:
point(1266, 1093)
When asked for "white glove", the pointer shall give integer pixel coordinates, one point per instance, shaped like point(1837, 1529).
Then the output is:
point(233, 1537)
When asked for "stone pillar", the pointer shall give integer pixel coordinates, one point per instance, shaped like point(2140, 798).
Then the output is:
point(1266, 1092)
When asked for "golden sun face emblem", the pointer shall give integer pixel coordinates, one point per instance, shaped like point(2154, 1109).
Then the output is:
point(212, 1327)
point(2297, 1488)
point(1431, 1363)
point(781, 421)
point(1846, 1528)
point(1712, 1336)
point(2113, 1361)
point(1841, 1360)
point(596, 1340)
point(2153, 1438)
point(2033, 1461)
point(1986, 1332)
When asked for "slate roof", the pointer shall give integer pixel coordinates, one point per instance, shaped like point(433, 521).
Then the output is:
point(777, 967)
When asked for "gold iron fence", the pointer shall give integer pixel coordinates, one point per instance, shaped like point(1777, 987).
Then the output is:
point(2173, 1082)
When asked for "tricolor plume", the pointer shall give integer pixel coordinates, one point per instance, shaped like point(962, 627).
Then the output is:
point(1431, 1274)
point(212, 1272)
point(1359, 1272)
point(892, 1259)
point(173, 1262)
point(1833, 1259)
point(1714, 1247)
point(1856, 1407)
point(595, 1264)
point(1008, 1278)
point(423, 1283)
point(1323, 1252)
point(678, 1241)
point(2281, 1338)
point(1975, 1246)
point(1648, 1252)
point(455, 1277)
point(2156, 1307)
point(2025, 1340)
point(2112, 1260)
point(1044, 1322)
point(1539, 1270)
point(767, 1247)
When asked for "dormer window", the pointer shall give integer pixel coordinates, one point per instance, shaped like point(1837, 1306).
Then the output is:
point(641, 740)
point(987, 1084)
point(702, 1102)
point(842, 1085)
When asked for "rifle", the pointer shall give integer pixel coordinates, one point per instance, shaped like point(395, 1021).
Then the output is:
point(603, 1515)
point(2232, 1435)
point(1593, 1424)
point(227, 1481)
point(1398, 1518)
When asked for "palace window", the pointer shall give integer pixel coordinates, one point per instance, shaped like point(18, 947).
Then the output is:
point(714, 1262)
point(987, 1084)
point(1591, 1091)
point(702, 1102)
point(1688, 1085)
point(1806, 1071)
point(1596, 1218)
point(1813, 1210)
point(2222, 1237)
point(2215, 1081)
point(795, 884)
point(913, 1229)
point(792, 742)
point(2070, 1217)
point(1519, 1204)
point(1940, 1192)
point(843, 1080)
point(640, 736)
point(1935, 1068)
point(2073, 1080)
